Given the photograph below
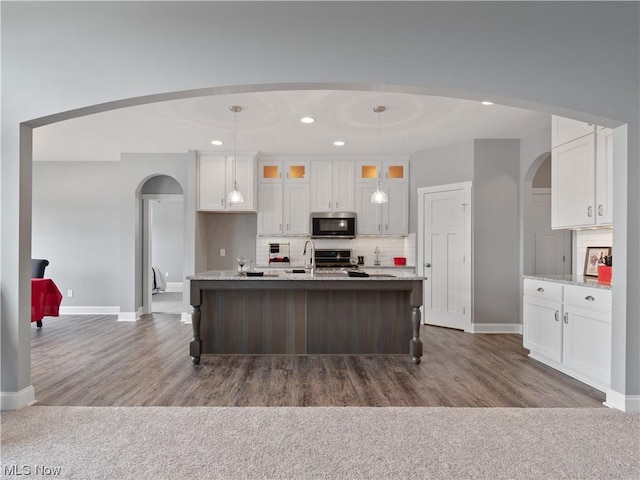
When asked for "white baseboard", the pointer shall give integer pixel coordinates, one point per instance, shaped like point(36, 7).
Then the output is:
point(89, 310)
point(17, 400)
point(620, 401)
point(130, 316)
point(185, 318)
point(174, 287)
point(496, 328)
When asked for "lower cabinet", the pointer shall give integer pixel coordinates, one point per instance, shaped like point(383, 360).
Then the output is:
point(568, 327)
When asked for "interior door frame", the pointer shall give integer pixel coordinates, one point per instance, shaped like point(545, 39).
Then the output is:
point(147, 224)
point(467, 287)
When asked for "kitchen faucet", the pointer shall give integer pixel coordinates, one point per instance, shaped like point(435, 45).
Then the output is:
point(312, 253)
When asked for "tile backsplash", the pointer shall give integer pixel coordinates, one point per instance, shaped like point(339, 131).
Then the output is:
point(293, 246)
point(590, 238)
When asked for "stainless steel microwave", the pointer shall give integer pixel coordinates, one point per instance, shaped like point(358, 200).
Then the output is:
point(333, 225)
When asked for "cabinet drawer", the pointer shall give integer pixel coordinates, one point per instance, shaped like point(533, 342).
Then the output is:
point(593, 298)
point(540, 289)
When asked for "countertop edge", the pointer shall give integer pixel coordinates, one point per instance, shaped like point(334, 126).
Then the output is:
point(577, 280)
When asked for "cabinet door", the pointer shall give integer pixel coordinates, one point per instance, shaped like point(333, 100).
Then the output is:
point(245, 176)
point(587, 343)
point(542, 327)
point(604, 181)
point(343, 186)
point(368, 171)
point(321, 190)
point(296, 171)
point(270, 170)
point(368, 214)
point(395, 171)
point(564, 130)
point(296, 209)
point(270, 212)
point(395, 214)
point(212, 181)
point(573, 184)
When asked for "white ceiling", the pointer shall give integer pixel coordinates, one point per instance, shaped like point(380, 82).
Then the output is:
point(270, 123)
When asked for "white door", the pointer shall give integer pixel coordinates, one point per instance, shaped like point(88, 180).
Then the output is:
point(270, 212)
point(344, 178)
point(321, 177)
point(296, 209)
point(445, 254)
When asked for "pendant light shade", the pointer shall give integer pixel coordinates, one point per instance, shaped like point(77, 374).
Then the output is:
point(379, 196)
point(235, 196)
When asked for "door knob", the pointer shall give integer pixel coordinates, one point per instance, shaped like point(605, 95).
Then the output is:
point(428, 265)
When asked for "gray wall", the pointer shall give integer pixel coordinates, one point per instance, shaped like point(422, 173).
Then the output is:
point(496, 240)
point(76, 226)
point(438, 166)
point(542, 178)
point(235, 232)
point(167, 244)
point(469, 49)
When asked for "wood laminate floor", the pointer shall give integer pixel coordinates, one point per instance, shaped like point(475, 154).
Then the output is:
point(97, 361)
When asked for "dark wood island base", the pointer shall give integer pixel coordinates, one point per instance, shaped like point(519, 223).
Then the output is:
point(285, 315)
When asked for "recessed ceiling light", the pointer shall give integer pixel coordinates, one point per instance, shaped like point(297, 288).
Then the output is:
point(487, 102)
point(307, 119)
point(339, 143)
point(216, 142)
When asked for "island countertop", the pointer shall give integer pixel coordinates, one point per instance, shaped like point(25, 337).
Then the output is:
point(323, 275)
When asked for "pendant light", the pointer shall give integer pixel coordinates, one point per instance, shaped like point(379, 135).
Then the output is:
point(379, 196)
point(235, 196)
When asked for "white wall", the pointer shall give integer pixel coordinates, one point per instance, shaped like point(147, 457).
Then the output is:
point(506, 51)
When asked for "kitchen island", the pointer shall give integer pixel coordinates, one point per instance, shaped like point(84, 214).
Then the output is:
point(283, 312)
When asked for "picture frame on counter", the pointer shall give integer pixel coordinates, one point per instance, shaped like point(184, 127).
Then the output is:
point(592, 259)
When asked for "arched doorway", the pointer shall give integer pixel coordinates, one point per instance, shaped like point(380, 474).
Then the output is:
point(546, 251)
point(162, 236)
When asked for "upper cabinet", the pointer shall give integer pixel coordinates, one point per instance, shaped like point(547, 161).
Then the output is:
point(283, 191)
point(387, 170)
point(564, 130)
point(390, 218)
point(581, 180)
point(332, 186)
point(216, 176)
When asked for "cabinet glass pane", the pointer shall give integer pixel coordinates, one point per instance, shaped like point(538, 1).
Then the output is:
point(395, 171)
point(369, 171)
point(270, 171)
point(297, 171)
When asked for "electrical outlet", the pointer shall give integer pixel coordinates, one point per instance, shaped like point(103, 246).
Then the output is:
point(166, 274)
point(69, 293)
point(222, 252)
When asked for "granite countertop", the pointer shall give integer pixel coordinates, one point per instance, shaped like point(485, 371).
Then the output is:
point(579, 280)
point(280, 274)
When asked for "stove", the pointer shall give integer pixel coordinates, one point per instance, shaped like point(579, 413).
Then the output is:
point(333, 258)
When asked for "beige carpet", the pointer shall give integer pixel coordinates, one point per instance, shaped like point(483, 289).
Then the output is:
point(319, 443)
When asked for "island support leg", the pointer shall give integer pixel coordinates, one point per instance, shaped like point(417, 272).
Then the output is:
point(195, 347)
point(415, 346)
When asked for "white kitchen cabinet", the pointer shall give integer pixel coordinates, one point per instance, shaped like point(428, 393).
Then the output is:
point(394, 171)
point(581, 181)
point(216, 179)
point(569, 328)
point(332, 186)
point(542, 326)
point(283, 207)
point(604, 176)
point(390, 218)
point(564, 130)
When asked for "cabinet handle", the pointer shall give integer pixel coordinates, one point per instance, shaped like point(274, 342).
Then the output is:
point(599, 210)
point(566, 318)
point(222, 201)
point(557, 316)
point(589, 298)
point(379, 227)
point(287, 227)
point(540, 289)
point(280, 226)
point(336, 205)
point(386, 226)
point(590, 211)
